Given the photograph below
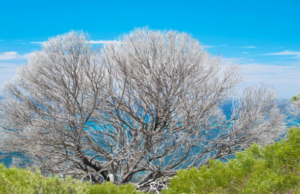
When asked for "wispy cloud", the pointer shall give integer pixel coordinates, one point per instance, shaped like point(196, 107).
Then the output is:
point(209, 46)
point(13, 66)
point(247, 47)
point(37, 42)
point(8, 55)
point(283, 78)
point(12, 55)
point(285, 53)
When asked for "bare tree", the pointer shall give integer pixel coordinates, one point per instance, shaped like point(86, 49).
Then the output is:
point(144, 106)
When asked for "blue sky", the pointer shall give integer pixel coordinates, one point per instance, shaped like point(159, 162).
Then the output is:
point(262, 36)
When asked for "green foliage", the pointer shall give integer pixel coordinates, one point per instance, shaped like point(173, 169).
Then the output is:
point(110, 188)
point(295, 98)
point(22, 181)
point(273, 169)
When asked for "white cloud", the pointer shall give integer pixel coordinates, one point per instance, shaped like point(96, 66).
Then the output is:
point(285, 53)
point(285, 79)
point(245, 53)
point(208, 46)
point(8, 55)
point(248, 47)
point(12, 55)
point(37, 42)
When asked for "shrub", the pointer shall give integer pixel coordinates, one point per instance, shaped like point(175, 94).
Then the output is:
point(273, 169)
point(23, 181)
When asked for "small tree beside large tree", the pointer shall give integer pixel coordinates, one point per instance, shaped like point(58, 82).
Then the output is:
point(143, 106)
